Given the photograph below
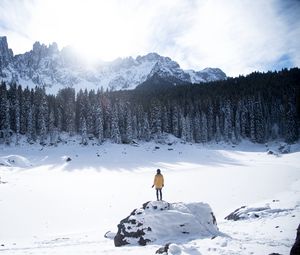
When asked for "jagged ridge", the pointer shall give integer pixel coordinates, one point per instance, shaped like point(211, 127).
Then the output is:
point(54, 69)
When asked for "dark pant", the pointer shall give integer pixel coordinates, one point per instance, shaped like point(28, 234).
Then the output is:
point(158, 194)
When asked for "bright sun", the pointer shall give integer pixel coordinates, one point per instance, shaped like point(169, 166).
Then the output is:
point(96, 29)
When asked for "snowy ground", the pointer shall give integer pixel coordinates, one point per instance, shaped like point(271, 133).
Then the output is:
point(50, 206)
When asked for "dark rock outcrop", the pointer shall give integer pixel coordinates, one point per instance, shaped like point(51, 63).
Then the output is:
point(163, 249)
point(296, 247)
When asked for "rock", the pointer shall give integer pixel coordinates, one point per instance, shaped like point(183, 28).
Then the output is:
point(164, 222)
point(163, 249)
point(235, 215)
point(47, 66)
point(109, 235)
point(284, 148)
point(296, 247)
point(245, 212)
point(68, 159)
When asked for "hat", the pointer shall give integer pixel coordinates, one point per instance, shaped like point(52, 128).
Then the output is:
point(158, 171)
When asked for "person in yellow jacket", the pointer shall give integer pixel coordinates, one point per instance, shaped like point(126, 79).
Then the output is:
point(158, 184)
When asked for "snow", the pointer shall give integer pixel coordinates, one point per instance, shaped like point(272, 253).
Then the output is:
point(14, 160)
point(54, 69)
point(49, 205)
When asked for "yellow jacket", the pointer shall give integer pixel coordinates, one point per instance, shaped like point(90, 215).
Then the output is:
point(158, 181)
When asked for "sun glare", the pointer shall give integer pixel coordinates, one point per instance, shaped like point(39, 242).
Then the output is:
point(96, 29)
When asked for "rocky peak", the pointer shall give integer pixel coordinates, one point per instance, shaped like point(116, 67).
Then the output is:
point(42, 50)
point(48, 66)
point(53, 48)
point(6, 54)
point(150, 57)
point(124, 62)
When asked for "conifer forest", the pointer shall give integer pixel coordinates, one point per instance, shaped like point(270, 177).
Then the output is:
point(259, 107)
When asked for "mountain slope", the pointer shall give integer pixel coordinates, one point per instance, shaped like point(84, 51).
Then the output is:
point(48, 66)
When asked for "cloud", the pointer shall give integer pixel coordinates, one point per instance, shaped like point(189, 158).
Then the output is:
point(236, 36)
point(241, 36)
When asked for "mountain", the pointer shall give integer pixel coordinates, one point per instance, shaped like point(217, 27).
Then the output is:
point(48, 66)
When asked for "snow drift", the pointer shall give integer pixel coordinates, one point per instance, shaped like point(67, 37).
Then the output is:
point(14, 160)
point(161, 222)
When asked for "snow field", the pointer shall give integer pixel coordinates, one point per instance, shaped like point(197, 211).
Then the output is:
point(51, 206)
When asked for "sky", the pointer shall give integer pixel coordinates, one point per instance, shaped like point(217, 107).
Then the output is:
point(238, 36)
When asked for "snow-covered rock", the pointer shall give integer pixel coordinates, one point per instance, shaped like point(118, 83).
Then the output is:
point(15, 161)
point(162, 222)
point(54, 69)
point(284, 148)
point(244, 212)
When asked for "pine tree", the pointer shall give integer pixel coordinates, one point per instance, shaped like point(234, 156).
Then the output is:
point(175, 121)
point(218, 130)
point(7, 132)
point(12, 98)
point(197, 128)
point(156, 126)
point(227, 120)
point(128, 124)
point(83, 129)
point(17, 121)
point(134, 127)
point(237, 125)
point(52, 129)
point(210, 123)
point(99, 124)
point(3, 109)
point(42, 116)
point(259, 122)
point(252, 121)
point(244, 122)
point(30, 126)
point(24, 111)
point(291, 131)
point(204, 129)
point(66, 103)
point(165, 120)
point(146, 133)
point(115, 131)
point(184, 131)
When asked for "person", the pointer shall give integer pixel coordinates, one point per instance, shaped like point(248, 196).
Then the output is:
point(158, 184)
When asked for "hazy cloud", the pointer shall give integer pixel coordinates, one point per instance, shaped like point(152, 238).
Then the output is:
point(237, 36)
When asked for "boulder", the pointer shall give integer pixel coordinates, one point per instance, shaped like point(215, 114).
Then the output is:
point(162, 222)
point(245, 212)
point(284, 148)
point(163, 250)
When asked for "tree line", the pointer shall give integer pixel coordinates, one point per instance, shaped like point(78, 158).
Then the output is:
point(259, 107)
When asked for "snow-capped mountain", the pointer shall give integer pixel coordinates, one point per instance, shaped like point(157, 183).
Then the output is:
point(48, 66)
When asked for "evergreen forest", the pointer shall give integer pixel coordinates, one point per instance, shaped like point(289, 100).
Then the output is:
point(259, 107)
